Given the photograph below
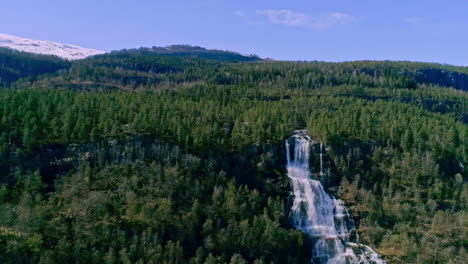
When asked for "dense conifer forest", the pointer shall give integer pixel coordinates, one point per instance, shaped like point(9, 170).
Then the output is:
point(158, 155)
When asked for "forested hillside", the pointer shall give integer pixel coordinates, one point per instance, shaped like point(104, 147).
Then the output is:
point(175, 155)
point(15, 65)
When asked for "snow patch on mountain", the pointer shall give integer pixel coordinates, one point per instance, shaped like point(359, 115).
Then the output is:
point(66, 51)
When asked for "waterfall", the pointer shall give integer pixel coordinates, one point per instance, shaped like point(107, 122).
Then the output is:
point(324, 219)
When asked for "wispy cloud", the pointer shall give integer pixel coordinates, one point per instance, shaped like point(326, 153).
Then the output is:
point(414, 20)
point(295, 19)
point(285, 17)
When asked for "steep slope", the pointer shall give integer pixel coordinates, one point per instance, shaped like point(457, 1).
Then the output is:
point(65, 51)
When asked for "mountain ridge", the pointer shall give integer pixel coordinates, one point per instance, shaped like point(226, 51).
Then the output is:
point(190, 51)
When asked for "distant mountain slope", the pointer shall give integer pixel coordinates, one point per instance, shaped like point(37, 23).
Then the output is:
point(193, 52)
point(16, 64)
point(147, 68)
point(65, 51)
point(419, 72)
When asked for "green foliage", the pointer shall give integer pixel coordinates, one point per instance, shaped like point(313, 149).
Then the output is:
point(175, 209)
point(396, 136)
point(15, 65)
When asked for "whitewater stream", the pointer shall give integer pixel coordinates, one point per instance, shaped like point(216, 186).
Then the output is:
point(324, 219)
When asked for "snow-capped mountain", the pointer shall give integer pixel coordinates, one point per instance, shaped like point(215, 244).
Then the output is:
point(65, 51)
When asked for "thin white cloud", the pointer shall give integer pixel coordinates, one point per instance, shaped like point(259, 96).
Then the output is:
point(285, 17)
point(295, 19)
point(414, 20)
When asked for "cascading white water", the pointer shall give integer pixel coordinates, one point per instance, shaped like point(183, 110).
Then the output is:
point(319, 215)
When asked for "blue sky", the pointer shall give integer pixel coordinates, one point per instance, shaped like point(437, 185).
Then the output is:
point(330, 30)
